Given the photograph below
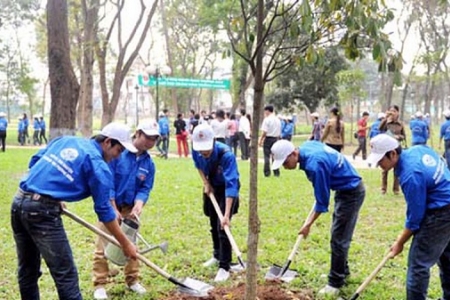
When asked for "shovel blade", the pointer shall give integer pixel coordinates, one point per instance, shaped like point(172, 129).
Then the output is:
point(275, 273)
point(194, 287)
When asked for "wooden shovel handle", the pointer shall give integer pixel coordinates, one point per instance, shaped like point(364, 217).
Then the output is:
point(226, 228)
point(373, 274)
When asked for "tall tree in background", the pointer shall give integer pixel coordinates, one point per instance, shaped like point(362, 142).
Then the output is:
point(126, 54)
point(64, 87)
point(289, 33)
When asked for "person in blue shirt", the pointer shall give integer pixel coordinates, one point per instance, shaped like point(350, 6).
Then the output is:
point(164, 134)
point(134, 174)
point(42, 136)
point(21, 131)
point(375, 127)
point(327, 169)
point(217, 167)
point(425, 182)
point(288, 130)
point(26, 123)
point(445, 135)
point(36, 131)
point(69, 169)
point(3, 129)
point(419, 130)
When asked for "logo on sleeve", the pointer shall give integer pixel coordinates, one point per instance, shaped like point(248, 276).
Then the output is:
point(429, 161)
point(69, 154)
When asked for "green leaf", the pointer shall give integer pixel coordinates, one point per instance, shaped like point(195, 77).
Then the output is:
point(376, 51)
point(251, 37)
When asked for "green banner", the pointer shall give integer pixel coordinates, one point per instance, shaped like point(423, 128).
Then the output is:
point(212, 84)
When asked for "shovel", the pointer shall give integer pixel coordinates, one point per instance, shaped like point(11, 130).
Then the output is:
point(189, 286)
point(227, 231)
point(283, 273)
point(371, 277)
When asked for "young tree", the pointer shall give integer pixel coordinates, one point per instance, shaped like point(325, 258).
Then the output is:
point(64, 87)
point(287, 33)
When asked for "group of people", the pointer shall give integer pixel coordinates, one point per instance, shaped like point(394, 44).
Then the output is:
point(233, 129)
point(39, 127)
point(425, 182)
point(118, 173)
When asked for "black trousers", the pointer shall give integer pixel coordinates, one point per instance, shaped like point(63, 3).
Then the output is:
point(221, 244)
point(362, 146)
point(244, 143)
point(3, 140)
point(268, 143)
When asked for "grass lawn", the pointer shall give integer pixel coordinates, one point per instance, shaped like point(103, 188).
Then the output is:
point(174, 213)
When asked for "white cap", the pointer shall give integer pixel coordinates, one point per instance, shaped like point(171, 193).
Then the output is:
point(2, 114)
point(149, 127)
point(161, 114)
point(203, 137)
point(381, 115)
point(281, 150)
point(315, 114)
point(237, 113)
point(447, 113)
point(419, 114)
point(427, 115)
point(380, 145)
point(121, 133)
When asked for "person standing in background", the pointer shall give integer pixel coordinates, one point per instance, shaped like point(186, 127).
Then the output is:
point(21, 131)
point(244, 133)
point(334, 133)
point(362, 136)
point(270, 133)
point(288, 129)
point(375, 127)
point(316, 133)
point(163, 141)
point(445, 135)
point(394, 127)
point(42, 135)
point(419, 130)
point(36, 131)
point(3, 129)
point(26, 123)
point(181, 135)
point(220, 126)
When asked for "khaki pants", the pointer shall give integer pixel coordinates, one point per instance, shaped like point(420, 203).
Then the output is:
point(101, 269)
point(384, 179)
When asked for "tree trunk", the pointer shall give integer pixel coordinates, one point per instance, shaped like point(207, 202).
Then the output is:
point(64, 87)
point(85, 106)
point(253, 218)
point(169, 56)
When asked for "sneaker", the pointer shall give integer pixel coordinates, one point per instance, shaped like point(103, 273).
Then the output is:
point(236, 268)
point(329, 290)
point(211, 262)
point(222, 275)
point(100, 293)
point(137, 288)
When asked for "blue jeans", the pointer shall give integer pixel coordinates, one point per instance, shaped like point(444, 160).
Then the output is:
point(164, 140)
point(346, 210)
point(39, 231)
point(430, 245)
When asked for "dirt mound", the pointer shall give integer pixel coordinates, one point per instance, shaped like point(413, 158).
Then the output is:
point(268, 291)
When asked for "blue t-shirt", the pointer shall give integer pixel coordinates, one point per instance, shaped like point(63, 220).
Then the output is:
point(36, 124)
point(445, 130)
point(419, 131)
point(288, 129)
point(164, 128)
point(133, 177)
point(425, 181)
point(375, 129)
point(72, 169)
point(327, 170)
point(3, 124)
point(220, 168)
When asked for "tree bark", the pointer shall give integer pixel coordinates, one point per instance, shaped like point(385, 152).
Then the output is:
point(64, 87)
point(85, 105)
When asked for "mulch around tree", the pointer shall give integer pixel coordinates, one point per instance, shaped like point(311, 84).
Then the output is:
point(270, 290)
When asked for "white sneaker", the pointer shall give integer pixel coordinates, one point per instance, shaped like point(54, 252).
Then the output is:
point(211, 262)
point(329, 290)
point(138, 288)
point(236, 268)
point(100, 294)
point(222, 275)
